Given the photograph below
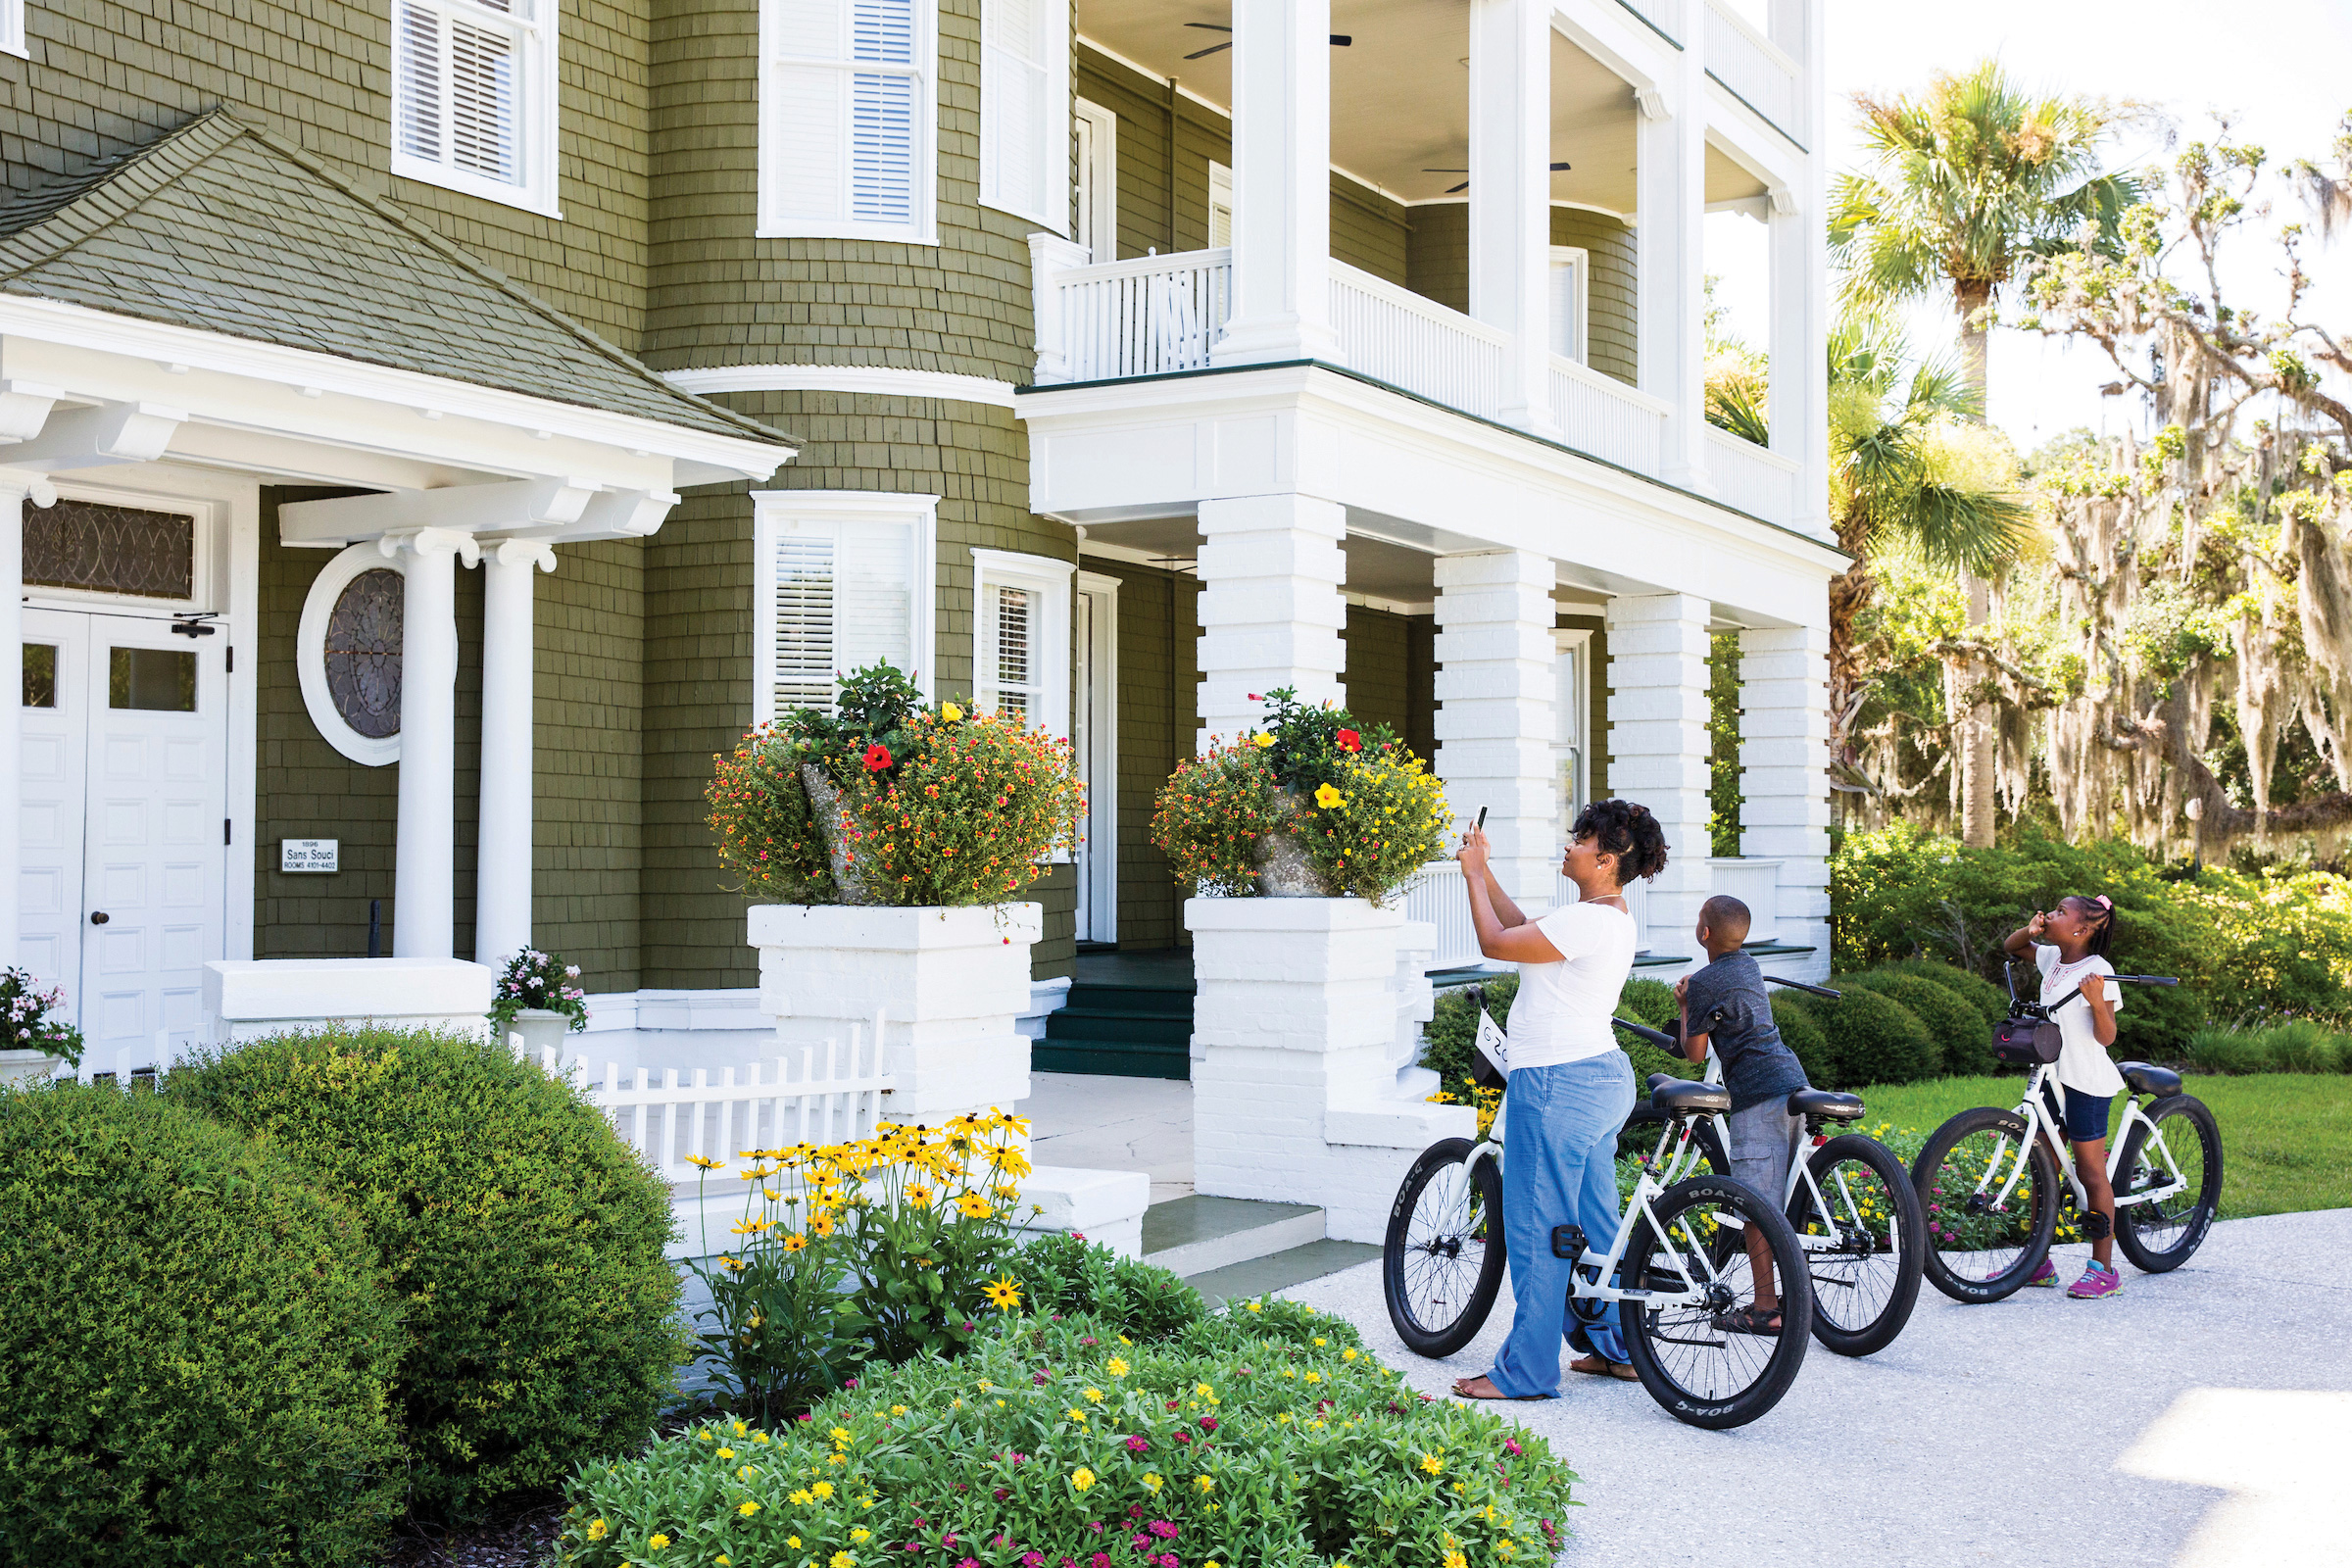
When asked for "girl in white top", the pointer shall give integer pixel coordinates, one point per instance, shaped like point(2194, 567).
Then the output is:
point(2070, 948)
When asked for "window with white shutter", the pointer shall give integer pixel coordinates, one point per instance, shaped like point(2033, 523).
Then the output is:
point(1220, 206)
point(1097, 139)
point(1025, 109)
point(1021, 637)
point(12, 28)
point(848, 118)
point(842, 579)
point(1570, 265)
point(473, 97)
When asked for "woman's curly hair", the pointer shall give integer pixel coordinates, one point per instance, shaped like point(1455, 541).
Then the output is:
point(1627, 830)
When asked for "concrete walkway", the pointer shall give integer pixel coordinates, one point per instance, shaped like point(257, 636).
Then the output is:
point(1097, 1122)
point(2203, 1419)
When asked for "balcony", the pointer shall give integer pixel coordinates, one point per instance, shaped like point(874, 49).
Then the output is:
point(1161, 314)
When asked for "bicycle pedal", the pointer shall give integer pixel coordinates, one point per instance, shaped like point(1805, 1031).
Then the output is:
point(1568, 1242)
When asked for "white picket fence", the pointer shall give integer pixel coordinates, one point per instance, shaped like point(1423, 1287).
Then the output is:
point(819, 1094)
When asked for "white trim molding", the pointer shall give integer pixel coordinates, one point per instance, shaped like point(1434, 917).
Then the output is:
point(868, 380)
point(1097, 189)
point(12, 30)
point(858, 516)
point(309, 653)
point(1049, 640)
point(822, 145)
point(1099, 706)
point(431, 100)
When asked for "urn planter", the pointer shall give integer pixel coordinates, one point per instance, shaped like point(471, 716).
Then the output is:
point(540, 1028)
point(27, 1070)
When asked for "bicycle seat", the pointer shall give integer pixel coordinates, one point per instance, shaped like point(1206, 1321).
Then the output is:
point(1658, 1079)
point(1680, 1097)
point(2144, 1079)
point(1826, 1103)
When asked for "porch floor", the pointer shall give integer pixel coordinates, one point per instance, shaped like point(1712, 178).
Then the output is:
point(1101, 1122)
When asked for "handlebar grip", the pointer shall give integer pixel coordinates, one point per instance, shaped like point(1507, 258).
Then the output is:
point(1663, 1041)
point(2147, 979)
point(1819, 991)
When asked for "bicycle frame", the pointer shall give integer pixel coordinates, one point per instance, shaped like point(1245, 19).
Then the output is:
point(2032, 1110)
point(1685, 1158)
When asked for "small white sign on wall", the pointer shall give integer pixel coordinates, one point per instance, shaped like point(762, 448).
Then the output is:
point(308, 854)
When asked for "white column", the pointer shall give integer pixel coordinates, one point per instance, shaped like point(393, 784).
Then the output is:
point(14, 488)
point(1658, 746)
point(1270, 608)
point(502, 884)
point(1671, 186)
point(424, 875)
point(1281, 184)
point(1785, 774)
point(1495, 725)
point(1511, 194)
point(1800, 284)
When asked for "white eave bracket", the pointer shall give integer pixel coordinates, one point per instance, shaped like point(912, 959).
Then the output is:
point(571, 510)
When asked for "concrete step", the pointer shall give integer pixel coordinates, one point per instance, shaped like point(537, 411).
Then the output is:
point(1086, 1022)
point(1166, 1001)
point(1279, 1271)
point(1198, 1233)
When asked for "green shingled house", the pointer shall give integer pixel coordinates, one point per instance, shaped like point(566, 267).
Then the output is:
point(431, 430)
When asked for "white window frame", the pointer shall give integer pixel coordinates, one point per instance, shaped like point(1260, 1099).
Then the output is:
point(775, 221)
point(1579, 342)
point(1052, 582)
point(12, 30)
point(1220, 200)
point(1097, 186)
point(1102, 862)
point(1052, 177)
point(535, 114)
point(1571, 762)
point(775, 510)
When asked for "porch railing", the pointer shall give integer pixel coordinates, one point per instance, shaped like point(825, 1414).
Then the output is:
point(1756, 884)
point(1759, 482)
point(1395, 335)
point(1752, 66)
point(1147, 316)
point(1600, 414)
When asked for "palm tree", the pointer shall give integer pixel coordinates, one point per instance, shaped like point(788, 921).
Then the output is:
point(1968, 183)
point(1894, 483)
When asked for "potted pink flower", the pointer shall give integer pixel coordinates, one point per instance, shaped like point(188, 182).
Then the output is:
point(34, 1039)
point(538, 997)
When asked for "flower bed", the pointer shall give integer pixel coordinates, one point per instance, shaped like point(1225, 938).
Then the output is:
point(1264, 1436)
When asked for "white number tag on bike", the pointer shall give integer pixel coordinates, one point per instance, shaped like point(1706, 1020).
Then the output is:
point(1492, 1067)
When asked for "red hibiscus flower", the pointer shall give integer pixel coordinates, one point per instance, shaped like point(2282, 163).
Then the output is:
point(1351, 740)
point(877, 757)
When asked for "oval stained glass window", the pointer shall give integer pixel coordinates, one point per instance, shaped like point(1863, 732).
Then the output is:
point(363, 652)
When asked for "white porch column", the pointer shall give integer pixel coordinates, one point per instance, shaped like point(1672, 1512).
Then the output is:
point(1785, 774)
point(424, 876)
point(1497, 687)
point(1511, 194)
point(14, 488)
point(502, 896)
point(1671, 185)
point(1658, 746)
point(1270, 608)
point(1800, 286)
point(1281, 184)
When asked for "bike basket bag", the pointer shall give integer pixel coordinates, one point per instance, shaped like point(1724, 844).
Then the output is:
point(2027, 1042)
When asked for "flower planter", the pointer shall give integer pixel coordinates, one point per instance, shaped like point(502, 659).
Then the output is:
point(27, 1070)
point(1285, 871)
point(540, 1028)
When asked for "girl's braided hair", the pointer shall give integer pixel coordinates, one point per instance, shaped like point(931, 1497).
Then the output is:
point(1627, 830)
point(2101, 908)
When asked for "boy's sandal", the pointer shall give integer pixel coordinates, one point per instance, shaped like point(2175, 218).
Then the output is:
point(1601, 1366)
point(1462, 1389)
point(1751, 1319)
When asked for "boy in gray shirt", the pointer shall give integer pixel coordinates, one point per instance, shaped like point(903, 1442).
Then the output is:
point(1725, 1007)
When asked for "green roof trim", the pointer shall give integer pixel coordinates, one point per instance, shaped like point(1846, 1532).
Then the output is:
point(223, 228)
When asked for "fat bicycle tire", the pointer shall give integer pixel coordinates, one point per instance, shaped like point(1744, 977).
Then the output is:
point(1845, 1281)
point(1748, 1385)
point(2168, 1238)
point(1441, 1263)
point(2034, 1199)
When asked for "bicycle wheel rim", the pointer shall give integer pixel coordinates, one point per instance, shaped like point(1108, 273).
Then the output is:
point(1858, 1280)
point(2169, 1225)
point(1977, 1235)
point(1701, 1366)
point(1443, 1251)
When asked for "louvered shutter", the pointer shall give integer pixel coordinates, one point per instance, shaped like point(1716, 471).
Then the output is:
point(1015, 107)
point(844, 109)
point(1011, 679)
point(804, 598)
point(458, 85)
point(844, 598)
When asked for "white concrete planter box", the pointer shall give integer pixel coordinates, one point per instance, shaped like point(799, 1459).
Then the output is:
point(251, 997)
point(27, 1070)
point(1299, 1093)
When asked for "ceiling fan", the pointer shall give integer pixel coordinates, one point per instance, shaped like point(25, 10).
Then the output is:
point(1558, 168)
point(1339, 40)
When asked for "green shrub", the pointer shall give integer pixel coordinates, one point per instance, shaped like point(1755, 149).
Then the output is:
point(526, 1237)
point(1073, 1277)
point(1963, 1044)
point(1260, 1437)
point(198, 1347)
point(1801, 1033)
point(2305, 1047)
point(1991, 1001)
point(1448, 1038)
point(1873, 1039)
point(2301, 1045)
point(2225, 1048)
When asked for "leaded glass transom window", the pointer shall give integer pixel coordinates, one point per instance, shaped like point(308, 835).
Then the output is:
point(363, 652)
point(110, 550)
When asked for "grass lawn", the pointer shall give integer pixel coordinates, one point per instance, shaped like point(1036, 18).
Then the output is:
point(2286, 1138)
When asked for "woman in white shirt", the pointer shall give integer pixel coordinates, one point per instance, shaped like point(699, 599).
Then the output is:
point(2070, 947)
point(1571, 1087)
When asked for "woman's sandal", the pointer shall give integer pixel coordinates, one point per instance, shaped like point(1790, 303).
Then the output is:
point(1461, 1389)
point(1601, 1366)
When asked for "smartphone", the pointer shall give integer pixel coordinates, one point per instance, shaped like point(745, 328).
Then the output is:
point(1482, 819)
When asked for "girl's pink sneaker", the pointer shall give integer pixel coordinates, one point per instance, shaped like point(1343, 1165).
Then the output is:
point(2095, 1285)
point(2044, 1272)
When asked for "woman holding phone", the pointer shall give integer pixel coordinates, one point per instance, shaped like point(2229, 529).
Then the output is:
point(1571, 1086)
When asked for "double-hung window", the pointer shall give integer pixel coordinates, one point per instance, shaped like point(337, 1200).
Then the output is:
point(848, 118)
point(1021, 638)
point(1571, 283)
point(473, 97)
point(841, 580)
point(1025, 109)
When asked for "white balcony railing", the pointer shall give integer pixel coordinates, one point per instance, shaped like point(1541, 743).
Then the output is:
point(1752, 66)
point(1759, 482)
point(1664, 15)
point(1756, 884)
point(1600, 414)
point(1391, 333)
point(1147, 316)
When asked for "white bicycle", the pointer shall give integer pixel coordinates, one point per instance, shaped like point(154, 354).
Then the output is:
point(1850, 1201)
point(1989, 1180)
point(1679, 1266)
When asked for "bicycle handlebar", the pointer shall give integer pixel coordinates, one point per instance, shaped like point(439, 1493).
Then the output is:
point(1819, 991)
point(1664, 1041)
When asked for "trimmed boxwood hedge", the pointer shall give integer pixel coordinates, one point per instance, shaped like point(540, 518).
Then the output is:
point(1871, 1038)
point(1992, 1005)
point(196, 1351)
point(526, 1238)
point(1959, 1039)
point(1801, 1033)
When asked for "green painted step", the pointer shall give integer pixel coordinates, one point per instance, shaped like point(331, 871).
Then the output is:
point(1175, 1002)
point(1281, 1270)
point(1075, 1022)
point(1112, 1058)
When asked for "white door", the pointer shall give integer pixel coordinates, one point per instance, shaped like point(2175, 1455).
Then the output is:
point(127, 875)
point(1095, 739)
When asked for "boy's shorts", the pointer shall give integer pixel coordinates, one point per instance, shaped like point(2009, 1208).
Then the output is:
point(1764, 1144)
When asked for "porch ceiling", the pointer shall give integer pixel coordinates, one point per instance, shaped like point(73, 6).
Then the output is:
point(1399, 95)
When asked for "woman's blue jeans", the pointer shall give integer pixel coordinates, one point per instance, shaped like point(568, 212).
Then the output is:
point(1559, 1167)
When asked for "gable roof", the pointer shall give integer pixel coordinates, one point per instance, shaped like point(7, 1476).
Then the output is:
point(224, 227)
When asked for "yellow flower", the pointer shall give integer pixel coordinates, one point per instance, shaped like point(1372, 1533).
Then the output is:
point(1349, 1354)
point(707, 1165)
point(792, 1540)
point(860, 1534)
point(1081, 1478)
point(1003, 1294)
point(795, 1243)
point(1152, 1480)
point(1094, 1396)
point(823, 1489)
point(918, 1194)
point(1204, 1483)
point(656, 1541)
point(1454, 1559)
point(1203, 1389)
point(1116, 1366)
point(747, 1507)
point(1262, 740)
point(950, 712)
point(1320, 1340)
point(1432, 1463)
point(726, 1453)
point(841, 1435)
point(1257, 1306)
point(898, 1409)
point(596, 1529)
point(841, 1559)
point(798, 1500)
point(1076, 1414)
point(722, 1560)
point(746, 1472)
